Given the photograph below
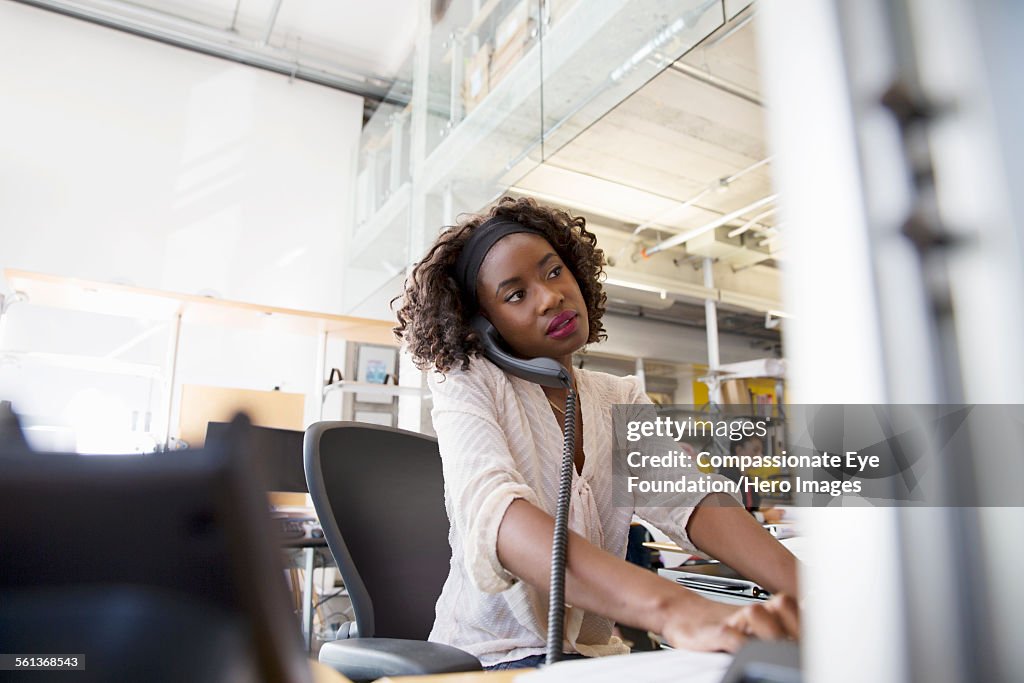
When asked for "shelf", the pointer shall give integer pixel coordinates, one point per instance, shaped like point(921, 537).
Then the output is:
point(508, 121)
point(499, 138)
point(378, 389)
point(89, 363)
point(153, 304)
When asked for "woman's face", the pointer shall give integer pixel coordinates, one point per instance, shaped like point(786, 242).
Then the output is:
point(532, 298)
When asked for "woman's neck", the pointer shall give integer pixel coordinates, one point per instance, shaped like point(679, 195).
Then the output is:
point(559, 392)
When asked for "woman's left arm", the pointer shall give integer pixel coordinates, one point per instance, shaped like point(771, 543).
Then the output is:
point(717, 525)
point(723, 529)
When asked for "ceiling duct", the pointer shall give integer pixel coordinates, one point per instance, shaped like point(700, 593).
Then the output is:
point(739, 251)
point(194, 36)
point(685, 237)
point(630, 294)
point(630, 287)
point(641, 289)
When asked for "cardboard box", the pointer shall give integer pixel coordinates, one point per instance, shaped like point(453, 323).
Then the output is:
point(503, 62)
point(735, 392)
point(476, 83)
point(203, 404)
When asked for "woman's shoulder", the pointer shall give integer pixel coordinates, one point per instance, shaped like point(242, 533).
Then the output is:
point(612, 387)
point(481, 377)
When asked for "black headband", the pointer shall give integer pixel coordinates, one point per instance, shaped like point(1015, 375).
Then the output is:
point(483, 237)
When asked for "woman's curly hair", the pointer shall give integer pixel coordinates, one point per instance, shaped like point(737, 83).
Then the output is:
point(433, 319)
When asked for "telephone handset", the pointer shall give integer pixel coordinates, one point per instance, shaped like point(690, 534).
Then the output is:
point(547, 372)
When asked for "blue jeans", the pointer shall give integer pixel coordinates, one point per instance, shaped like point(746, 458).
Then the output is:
point(531, 662)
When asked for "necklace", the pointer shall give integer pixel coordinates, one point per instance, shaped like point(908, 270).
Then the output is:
point(561, 411)
point(555, 406)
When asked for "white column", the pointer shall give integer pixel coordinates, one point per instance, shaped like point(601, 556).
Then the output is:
point(711, 323)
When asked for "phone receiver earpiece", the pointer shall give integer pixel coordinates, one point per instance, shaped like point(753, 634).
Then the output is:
point(544, 371)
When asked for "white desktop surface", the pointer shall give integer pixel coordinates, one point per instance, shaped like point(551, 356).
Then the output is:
point(664, 666)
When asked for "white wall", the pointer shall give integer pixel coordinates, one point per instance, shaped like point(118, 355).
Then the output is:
point(127, 160)
point(124, 158)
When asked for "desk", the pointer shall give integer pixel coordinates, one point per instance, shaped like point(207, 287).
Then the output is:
point(665, 547)
point(506, 676)
point(665, 666)
point(325, 674)
point(780, 530)
point(309, 547)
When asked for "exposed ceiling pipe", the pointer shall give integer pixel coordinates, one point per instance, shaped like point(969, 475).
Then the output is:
point(226, 44)
point(234, 17)
point(720, 185)
point(756, 219)
point(653, 290)
point(707, 227)
point(712, 42)
point(717, 82)
point(271, 20)
point(707, 77)
point(753, 167)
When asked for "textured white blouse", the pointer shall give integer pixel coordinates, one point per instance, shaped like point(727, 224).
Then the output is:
point(499, 441)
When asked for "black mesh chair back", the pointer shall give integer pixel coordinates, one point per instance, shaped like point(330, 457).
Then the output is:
point(379, 494)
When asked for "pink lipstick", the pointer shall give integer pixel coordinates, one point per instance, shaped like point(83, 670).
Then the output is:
point(563, 325)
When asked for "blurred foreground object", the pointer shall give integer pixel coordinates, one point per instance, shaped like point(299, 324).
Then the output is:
point(151, 568)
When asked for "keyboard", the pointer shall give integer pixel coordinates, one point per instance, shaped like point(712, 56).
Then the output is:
point(292, 528)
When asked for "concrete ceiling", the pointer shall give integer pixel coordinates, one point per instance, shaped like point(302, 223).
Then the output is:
point(692, 125)
point(658, 160)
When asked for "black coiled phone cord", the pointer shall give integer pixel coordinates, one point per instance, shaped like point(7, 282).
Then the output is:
point(556, 604)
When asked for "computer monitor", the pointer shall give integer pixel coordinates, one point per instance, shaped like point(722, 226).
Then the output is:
point(158, 567)
point(276, 454)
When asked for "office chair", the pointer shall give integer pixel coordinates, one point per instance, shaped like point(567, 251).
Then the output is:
point(153, 567)
point(378, 489)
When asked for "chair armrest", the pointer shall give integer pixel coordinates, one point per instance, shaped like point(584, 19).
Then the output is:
point(367, 659)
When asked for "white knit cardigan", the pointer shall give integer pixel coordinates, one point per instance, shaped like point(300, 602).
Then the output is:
point(500, 441)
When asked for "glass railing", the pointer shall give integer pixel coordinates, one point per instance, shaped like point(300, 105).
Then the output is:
point(385, 161)
point(376, 250)
point(483, 125)
point(505, 85)
point(598, 52)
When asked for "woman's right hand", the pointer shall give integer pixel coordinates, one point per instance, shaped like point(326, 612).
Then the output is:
point(713, 626)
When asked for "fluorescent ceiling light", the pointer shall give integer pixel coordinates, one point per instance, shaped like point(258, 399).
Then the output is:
point(717, 223)
point(616, 282)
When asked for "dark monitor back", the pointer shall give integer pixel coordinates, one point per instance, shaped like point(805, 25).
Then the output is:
point(155, 567)
point(275, 453)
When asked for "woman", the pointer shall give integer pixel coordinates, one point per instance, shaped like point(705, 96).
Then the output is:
point(533, 272)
